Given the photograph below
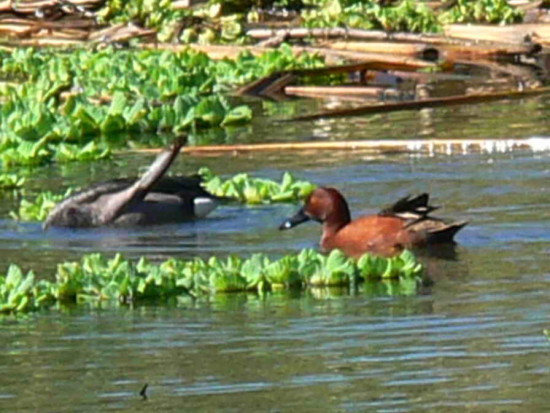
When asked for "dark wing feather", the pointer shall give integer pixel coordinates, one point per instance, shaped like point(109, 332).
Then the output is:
point(407, 207)
point(416, 211)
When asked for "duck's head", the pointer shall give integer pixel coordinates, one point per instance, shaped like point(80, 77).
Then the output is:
point(323, 205)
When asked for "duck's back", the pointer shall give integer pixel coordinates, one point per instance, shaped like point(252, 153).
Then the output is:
point(382, 235)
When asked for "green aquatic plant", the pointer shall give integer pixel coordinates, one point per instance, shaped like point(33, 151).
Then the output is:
point(221, 21)
point(16, 291)
point(39, 208)
point(482, 11)
point(90, 152)
point(96, 278)
point(11, 181)
point(153, 14)
point(250, 190)
point(406, 15)
point(71, 106)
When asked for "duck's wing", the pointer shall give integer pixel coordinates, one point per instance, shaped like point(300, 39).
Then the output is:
point(415, 211)
point(410, 208)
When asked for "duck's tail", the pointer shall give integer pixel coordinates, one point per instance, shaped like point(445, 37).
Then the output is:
point(441, 234)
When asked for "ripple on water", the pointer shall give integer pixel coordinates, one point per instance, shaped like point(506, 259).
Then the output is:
point(473, 341)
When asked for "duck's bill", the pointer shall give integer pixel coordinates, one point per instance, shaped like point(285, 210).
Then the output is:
point(297, 219)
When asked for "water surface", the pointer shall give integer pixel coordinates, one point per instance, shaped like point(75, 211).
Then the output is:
point(473, 340)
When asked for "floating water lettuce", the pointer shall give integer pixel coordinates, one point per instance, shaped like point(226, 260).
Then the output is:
point(95, 278)
point(68, 106)
point(11, 181)
point(90, 152)
point(20, 292)
point(40, 207)
point(252, 190)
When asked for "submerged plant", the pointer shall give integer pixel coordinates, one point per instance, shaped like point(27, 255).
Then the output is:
point(96, 278)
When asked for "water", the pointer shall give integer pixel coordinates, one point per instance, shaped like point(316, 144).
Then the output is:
point(473, 340)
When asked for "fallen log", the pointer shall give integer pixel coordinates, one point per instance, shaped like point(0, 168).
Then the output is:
point(513, 33)
point(30, 6)
point(448, 51)
point(428, 146)
point(43, 42)
point(339, 32)
point(331, 56)
point(382, 36)
point(417, 50)
point(425, 103)
point(273, 84)
point(343, 92)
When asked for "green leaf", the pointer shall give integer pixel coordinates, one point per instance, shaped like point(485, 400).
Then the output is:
point(238, 115)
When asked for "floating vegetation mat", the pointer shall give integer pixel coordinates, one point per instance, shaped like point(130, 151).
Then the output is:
point(241, 187)
point(250, 190)
point(97, 279)
point(78, 105)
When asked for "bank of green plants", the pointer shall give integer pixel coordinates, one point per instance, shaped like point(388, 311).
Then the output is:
point(96, 278)
point(71, 106)
point(481, 11)
point(407, 15)
point(217, 21)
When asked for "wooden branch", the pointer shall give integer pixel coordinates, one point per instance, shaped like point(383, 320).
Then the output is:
point(431, 52)
point(273, 84)
point(342, 92)
point(408, 49)
point(338, 32)
point(382, 36)
point(380, 146)
point(43, 42)
point(30, 6)
point(331, 56)
point(425, 103)
point(514, 33)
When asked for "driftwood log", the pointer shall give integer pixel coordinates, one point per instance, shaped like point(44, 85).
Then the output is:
point(377, 146)
point(425, 103)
